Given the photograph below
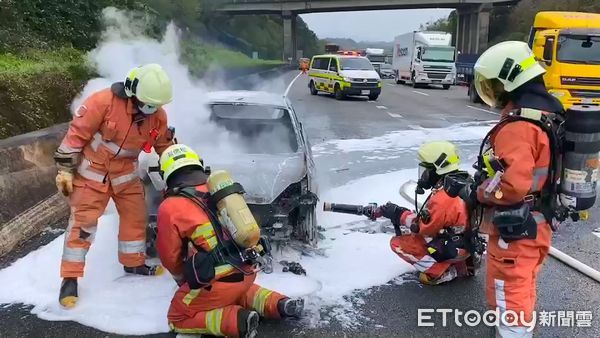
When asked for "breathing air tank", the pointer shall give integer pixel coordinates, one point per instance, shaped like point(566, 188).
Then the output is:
point(581, 157)
point(233, 212)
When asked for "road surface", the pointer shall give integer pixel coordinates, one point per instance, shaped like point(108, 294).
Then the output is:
point(389, 310)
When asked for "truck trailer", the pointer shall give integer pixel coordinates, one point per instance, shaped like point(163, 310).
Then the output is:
point(423, 58)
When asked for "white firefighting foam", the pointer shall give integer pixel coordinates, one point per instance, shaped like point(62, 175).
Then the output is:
point(113, 302)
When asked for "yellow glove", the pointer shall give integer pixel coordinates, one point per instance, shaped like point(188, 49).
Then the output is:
point(64, 182)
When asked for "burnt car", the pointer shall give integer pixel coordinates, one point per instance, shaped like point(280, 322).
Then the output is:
point(273, 162)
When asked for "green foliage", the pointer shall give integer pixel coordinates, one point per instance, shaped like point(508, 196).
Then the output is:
point(200, 56)
point(43, 44)
point(447, 25)
point(36, 90)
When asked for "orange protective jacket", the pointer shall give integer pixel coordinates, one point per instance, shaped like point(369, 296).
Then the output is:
point(104, 130)
point(184, 226)
point(525, 150)
point(442, 212)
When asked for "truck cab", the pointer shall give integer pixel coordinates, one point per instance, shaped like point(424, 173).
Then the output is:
point(424, 58)
point(568, 44)
point(377, 58)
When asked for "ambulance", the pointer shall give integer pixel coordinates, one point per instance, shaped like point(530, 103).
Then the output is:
point(343, 75)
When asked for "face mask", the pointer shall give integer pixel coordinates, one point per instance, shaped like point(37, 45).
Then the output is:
point(427, 177)
point(147, 109)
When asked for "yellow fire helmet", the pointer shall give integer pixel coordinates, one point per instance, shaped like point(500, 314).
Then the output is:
point(176, 157)
point(503, 68)
point(150, 84)
point(441, 155)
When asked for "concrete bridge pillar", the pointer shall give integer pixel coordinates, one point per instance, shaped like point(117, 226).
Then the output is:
point(289, 36)
point(472, 29)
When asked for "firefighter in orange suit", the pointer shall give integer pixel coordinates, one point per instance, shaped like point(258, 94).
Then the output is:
point(432, 239)
point(519, 152)
point(97, 160)
point(228, 303)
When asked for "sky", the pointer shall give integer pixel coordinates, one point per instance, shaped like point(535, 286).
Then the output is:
point(370, 25)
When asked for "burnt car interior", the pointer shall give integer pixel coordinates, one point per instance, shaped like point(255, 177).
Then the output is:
point(263, 129)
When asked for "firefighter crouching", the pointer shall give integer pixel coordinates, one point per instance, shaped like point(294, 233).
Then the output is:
point(97, 161)
point(198, 244)
point(437, 239)
point(519, 164)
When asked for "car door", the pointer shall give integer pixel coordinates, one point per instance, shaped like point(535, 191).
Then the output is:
point(320, 69)
point(332, 74)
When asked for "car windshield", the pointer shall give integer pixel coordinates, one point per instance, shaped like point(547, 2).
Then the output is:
point(261, 129)
point(578, 49)
point(356, 64)
point(439, 54)
point(386, 66)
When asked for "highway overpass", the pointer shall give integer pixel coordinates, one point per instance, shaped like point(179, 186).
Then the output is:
point(473, 15)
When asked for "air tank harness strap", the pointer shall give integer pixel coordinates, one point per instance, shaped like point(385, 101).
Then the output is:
point(235, 188)
point(226, 251)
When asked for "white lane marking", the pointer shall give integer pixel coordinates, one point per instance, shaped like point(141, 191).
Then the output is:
point(418, 92)
point(381, 107)
point(398, 116)
point(483, 110)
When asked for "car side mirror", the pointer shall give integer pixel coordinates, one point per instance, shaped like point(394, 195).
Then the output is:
point(418, 53)
point(548, 50)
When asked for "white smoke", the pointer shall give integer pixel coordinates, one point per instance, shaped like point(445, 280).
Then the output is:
point(123, 46)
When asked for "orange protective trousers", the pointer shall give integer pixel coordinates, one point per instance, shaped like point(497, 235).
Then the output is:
point(215, 311)
point(413, 250)
point(87, 205)
point(512, 270)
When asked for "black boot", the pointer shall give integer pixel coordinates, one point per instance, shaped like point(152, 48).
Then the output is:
point(144, 270)
point(68, 293)
point(290, 307)
point(247, 323)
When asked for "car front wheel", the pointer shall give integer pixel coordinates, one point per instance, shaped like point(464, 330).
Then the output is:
point(313, 90)
point(339, 95)
point(306, 229)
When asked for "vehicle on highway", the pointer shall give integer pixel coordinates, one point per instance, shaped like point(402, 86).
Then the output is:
point(332, 48)
point(377, 58)
point(464, 75)
point(569, 44)
point(273, 163)
point(423, 58)
point(343, 75)
point(386, 71)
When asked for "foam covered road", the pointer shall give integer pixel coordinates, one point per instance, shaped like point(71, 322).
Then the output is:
point(402, 115)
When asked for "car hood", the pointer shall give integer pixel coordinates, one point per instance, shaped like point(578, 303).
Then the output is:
point(264, 177)
point(360, 74)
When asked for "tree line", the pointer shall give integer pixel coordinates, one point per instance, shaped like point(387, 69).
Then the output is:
point(514, 22)
point(48, 24)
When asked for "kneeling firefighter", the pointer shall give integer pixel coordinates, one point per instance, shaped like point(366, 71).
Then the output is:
point(516, 186)
point(437, 239)
point(211, 244)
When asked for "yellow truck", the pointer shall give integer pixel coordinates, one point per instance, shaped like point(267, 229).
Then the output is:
point(569, 45)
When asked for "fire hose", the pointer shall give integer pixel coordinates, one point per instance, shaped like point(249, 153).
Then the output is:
point(554, 252)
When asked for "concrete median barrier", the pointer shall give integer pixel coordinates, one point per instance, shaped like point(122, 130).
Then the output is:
point(27, 191)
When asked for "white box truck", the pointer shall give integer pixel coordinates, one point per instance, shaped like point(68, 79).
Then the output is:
point(423, 58)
